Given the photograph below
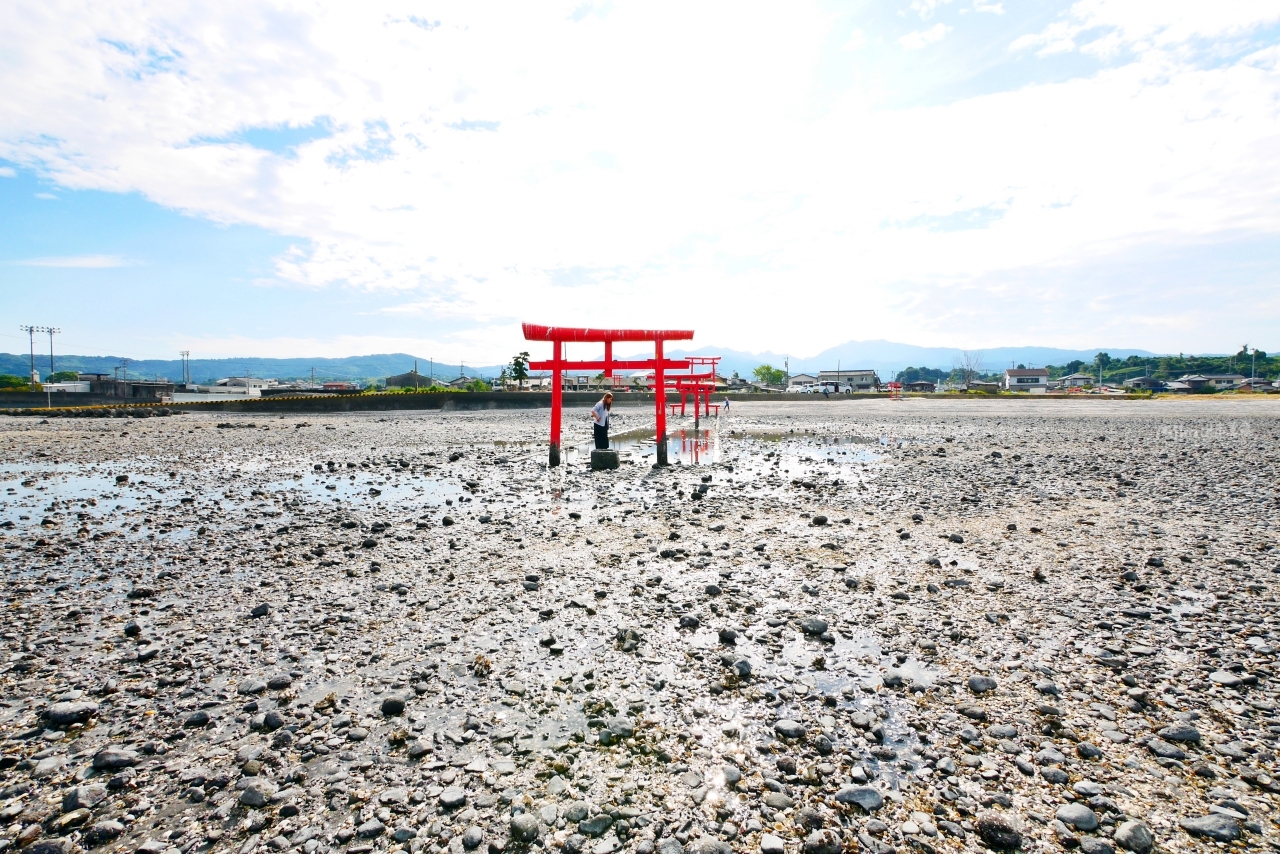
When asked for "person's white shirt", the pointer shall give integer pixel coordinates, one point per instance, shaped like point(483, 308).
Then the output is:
point(600, 414)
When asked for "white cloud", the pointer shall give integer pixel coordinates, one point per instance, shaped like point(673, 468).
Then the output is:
point(1107, 26)
point(83, 262)
point(7, 172)
point(744, 194)
point(920, 38)
point(926, 8)
point(993, 8)
point(857, 39)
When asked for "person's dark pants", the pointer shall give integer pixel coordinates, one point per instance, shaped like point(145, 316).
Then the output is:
point(602, 436)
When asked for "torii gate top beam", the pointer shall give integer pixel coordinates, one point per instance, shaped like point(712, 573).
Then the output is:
point(537, 332)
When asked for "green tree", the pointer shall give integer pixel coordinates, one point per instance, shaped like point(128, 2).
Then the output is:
point(478, 385)
point(520, 368)
point(769, 375)
point(62, 377)
point(9, 382)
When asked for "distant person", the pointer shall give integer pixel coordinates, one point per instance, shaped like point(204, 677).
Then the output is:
point(600, 415)
point(826, 393)
point(726, 406)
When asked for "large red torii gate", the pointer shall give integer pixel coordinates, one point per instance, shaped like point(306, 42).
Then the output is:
point(560, 335)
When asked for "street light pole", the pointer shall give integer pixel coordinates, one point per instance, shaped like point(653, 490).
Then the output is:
point(31, 340)
point(52, 330)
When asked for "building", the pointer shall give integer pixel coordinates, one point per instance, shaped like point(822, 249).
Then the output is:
point(1211, 381)
point(1146, 383)
point(801, 380)
point(920, 385)
point(979, 385)
point(412, 379)
point(133, 389)
point(1026, 379)
point(64, 388)
point(1258, 384)
point(251, 384)
point(858, 380)
point(1074, 381)
point(340, 387)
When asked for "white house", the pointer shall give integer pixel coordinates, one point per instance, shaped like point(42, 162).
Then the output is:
point(1026, 379)
point(801, 379)
point(1076, 381)
point(858, 380)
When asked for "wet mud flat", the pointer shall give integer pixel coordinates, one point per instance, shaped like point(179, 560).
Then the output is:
point(863, 626)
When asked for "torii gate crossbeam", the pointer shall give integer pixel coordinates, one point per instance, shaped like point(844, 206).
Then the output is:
point(559, 335)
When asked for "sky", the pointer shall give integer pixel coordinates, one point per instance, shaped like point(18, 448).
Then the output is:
point(332, 179)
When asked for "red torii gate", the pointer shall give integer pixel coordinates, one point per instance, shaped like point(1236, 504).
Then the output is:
point(560, 335)
point(700, 385)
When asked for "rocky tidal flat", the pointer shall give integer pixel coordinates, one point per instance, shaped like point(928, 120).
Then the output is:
point(857, 626)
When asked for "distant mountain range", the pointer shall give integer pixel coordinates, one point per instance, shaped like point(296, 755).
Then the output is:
point(351, 368)
point(886, 357)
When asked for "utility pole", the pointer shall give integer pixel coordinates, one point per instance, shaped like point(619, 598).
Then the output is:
point(52, 330)
point(415, 374)
point(124, 366)
point(1253, 370)
point(186, 367)
point(31, 338)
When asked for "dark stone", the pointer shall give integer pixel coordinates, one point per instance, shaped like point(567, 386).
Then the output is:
point(603, 459)
point(524, 828)
point(114, 758)
point(596, 825)
point(196, 719)
point(1219, 828)
point(102, 833)
point(999, 831)
point(789, 729)
point(864, 796)
point(1135, 836)
point(981, 684)
point(370, 829)
point(813, 626)
point(1165, 750)
point(66, 714)
point(1180, 732)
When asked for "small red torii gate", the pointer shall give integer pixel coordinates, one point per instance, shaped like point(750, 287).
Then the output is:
point(560, 335)
point(699, 384)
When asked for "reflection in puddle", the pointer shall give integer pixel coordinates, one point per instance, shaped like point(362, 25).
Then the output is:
point(684, 447)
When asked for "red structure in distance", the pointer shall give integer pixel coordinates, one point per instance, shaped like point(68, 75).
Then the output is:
point(701, 384)
point(560, 335)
